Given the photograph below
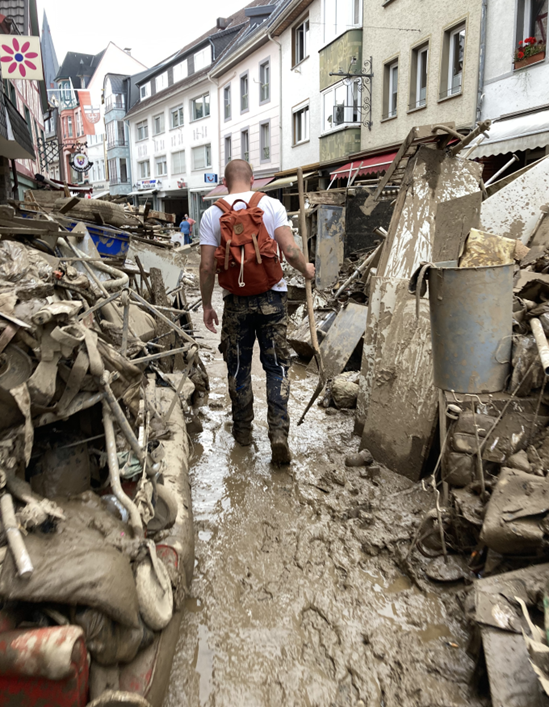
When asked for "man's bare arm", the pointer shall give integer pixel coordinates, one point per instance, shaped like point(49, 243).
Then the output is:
point(207, 282)
point(285, 239)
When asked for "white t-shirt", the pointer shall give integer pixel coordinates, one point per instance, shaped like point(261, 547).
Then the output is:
point(274, 216)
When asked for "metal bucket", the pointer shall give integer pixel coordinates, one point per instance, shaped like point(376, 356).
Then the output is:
point(471, 327)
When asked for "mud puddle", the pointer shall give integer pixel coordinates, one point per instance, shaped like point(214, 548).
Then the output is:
point(298, 598)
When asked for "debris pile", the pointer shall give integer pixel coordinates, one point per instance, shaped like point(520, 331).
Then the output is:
point(96, 539)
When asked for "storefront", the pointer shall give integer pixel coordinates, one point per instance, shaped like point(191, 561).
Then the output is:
point(147, 192)
point(175, 201)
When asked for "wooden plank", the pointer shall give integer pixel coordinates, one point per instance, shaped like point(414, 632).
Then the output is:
point(453, 221)
point(69, 205)
point(401, 415)
point(335, 198)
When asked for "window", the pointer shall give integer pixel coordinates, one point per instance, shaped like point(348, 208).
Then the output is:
point(418, 84)
point(264, 82)
point(300, 42)
point(341, 106)
point(227, 101)
point(145, 91)
point(202, 157)
point(69, 123)
point(339, 16)
point(200, 107)
point(452, 61)
point(161, 166)
point(144, 169)
point(142, 130)
point(178, 162)
point(228, 149)
point(79, 126)
point(390, 90)
point(531, 21)
point(265, 142)
point(180, 71)
point(158, 124)
point(177, 117)
point(245, 145)
point(301, 125)
point(113, 171)
point(123, 171)
point(161, 81)
point(202, 58)
point(244, 93)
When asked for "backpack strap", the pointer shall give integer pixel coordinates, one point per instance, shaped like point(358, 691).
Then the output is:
point(223, 205)
point(256, 198)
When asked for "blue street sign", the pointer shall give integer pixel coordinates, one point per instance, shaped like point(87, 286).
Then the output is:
point(210, 178)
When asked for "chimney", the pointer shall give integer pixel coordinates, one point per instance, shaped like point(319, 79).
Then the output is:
point(223, 22)
point(128, 50)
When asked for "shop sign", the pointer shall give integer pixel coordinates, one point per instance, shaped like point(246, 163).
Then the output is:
point(181, 184)
point(210, 178)
point(80, 162)
point(21, 58)
point(149, 183)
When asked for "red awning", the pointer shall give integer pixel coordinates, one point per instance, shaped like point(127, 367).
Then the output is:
point(366, 165)
point(220, 190)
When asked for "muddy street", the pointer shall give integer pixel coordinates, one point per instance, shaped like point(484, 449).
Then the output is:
point(300, 594)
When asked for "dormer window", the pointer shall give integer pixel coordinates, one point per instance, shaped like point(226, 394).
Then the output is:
point(145, 91)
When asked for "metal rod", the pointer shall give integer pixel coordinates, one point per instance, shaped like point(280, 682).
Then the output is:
point(359, 270)
point(501, 171)
point(119, 416)
point(162, 354)
point(165, 319)
point(443, 431)
point(180, 385)
point(125, 322)
point(15, 539)
point(99, 305)
point(541, 341)
point(478, 455)
point(114, 473)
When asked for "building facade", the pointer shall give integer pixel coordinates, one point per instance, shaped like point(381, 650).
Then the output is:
point(425, 65)
point(515, 79)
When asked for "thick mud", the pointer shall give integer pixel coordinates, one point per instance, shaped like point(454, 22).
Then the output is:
point(301, 595)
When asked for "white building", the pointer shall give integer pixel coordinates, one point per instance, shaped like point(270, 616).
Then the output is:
point(174, 127)
point(514, 90)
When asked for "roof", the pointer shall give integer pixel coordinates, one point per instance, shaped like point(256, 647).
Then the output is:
point(49, 55)
point(118, 82)
point(16, 10)
point(75, 65)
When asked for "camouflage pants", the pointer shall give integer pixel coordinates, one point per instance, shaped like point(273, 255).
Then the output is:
point(264, 317)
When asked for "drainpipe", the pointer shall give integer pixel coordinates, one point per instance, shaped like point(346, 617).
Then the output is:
point(271, 38)
point(482, 59)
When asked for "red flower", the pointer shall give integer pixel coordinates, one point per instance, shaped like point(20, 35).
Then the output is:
point(18, 57)
point(520, 55)
point(520, 43)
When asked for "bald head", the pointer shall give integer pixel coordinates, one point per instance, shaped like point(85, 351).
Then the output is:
point(238, 172)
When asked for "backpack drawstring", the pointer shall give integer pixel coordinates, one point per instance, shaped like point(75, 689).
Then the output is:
point(241, 282)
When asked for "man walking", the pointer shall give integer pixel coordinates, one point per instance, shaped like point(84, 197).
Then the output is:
point(238, 239)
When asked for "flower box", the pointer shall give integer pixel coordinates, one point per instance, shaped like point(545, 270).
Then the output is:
point(532, 59)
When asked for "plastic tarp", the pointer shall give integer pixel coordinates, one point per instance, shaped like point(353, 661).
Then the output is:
point(525, 132)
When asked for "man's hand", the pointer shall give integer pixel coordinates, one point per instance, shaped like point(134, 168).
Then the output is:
point(210, 318)
point(309, 271)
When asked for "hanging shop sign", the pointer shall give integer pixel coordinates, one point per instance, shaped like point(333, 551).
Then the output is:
point(80, 162)
point(210, 178)
point(21, 58)
point(181, 184)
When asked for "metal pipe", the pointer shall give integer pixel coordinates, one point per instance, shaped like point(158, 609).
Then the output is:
point(181, 383)
point(359, 270)
point(122, 420)
point(280, 129)
point(480, 129)
point(15, 539)
point(482, 58)
point(161, 354)
point(501, 171)
point(125, 299)
point(114, 473)
point(541, 341)
point(474, 147)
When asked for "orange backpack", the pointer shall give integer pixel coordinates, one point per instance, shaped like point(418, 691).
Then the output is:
point(248, 261)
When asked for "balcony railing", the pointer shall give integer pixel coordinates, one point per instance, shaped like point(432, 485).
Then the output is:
point(119, 180)
point(120, 142)
point(115, 101)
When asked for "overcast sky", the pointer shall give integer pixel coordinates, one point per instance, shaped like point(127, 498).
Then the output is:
point(153, 29)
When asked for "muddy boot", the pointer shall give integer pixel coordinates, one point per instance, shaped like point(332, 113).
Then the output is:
point(243, 435)
point(280, 449)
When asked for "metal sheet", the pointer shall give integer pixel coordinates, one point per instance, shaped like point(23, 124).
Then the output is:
point(514, 210)
point(401, 415)
point(342, 338)
point(471, 327)
point(329, 244)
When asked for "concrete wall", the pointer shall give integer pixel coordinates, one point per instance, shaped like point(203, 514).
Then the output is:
point(506, 90)
point(432, 18)
point(301, 85)
point(257, 112)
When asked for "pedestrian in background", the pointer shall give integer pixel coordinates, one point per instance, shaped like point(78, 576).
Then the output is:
point(240, 239)
point(185, 228)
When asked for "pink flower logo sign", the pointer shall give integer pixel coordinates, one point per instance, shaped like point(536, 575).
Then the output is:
point(21, 57)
